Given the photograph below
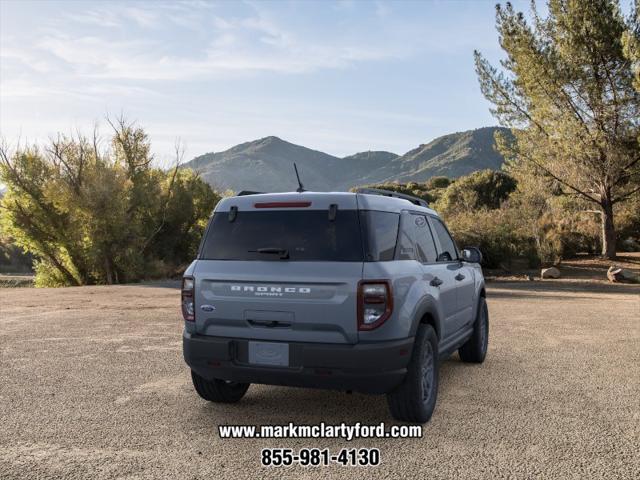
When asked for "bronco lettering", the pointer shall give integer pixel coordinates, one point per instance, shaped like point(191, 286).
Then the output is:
point(264, 289)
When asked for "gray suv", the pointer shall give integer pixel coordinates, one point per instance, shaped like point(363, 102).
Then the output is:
point(361, 291)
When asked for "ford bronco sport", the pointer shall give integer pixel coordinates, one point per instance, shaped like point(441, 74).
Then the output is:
point(361, 291)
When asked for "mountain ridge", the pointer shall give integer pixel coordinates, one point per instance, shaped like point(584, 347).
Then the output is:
point(265, 164)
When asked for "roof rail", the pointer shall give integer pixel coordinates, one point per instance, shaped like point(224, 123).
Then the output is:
point(247, 192)
point(388, 193)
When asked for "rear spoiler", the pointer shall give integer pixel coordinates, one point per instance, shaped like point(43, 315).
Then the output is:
point(248, 192)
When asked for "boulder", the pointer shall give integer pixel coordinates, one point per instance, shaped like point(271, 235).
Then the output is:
point(621, 275)
point(551, 272)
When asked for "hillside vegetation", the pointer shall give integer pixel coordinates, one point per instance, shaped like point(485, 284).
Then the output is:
point(491, 210)
point(100, 215)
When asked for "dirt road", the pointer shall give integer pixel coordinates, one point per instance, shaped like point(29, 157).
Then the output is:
point(92, 385)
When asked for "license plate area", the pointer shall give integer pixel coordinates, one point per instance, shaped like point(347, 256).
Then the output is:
point(269, 353)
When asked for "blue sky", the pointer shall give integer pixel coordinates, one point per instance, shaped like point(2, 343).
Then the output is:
point(339, 77)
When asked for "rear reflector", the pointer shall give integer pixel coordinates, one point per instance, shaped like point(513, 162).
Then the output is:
point(282, 205)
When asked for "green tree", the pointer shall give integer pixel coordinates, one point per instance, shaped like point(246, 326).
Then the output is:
point(481, 189)
point(631, 40)
point(437, 182)
point(566, 90)
point(93, 215)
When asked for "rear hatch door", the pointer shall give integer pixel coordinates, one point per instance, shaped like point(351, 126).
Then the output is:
point(281, 269)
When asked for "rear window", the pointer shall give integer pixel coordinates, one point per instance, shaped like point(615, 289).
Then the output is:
point(305, 235)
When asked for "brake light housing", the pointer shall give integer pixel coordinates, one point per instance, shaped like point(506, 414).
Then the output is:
point(282, 205)
point(188, 299)
point(375, 303)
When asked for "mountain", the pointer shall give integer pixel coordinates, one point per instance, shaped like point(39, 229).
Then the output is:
point(354, 167)
point(266, 164)
point(452, 156)
point(363, 161)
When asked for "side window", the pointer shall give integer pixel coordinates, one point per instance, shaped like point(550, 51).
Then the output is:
point(426, 248)
point(448, 251)
point(406, 241)
point(380, 234)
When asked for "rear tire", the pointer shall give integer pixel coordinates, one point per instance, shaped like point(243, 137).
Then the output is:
point(475, 349)
point(414, 400)
point(219, 391)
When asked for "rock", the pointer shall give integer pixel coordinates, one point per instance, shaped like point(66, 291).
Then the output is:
point(551, 272)
point(529, 277)
point(621, 275)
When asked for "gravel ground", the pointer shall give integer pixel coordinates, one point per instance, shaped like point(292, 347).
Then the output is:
point(92, 385)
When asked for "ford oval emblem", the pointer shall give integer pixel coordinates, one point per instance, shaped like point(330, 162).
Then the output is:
point(208, 308)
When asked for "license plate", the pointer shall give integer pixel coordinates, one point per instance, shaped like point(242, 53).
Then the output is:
point(269, 353)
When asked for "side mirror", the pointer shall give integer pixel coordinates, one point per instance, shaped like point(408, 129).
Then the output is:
point(471, 255)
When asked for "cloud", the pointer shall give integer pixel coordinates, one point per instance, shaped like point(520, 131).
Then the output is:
point(383, 9)
point(114, 18)
point(250, 43)
point(101, 17)
point(144, 18)
point(63, 64)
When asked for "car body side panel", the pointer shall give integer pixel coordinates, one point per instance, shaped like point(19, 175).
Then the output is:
point(466, 294)
point(429, 306)
point(411, 289)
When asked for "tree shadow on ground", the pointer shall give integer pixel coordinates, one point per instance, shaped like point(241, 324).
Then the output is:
point(512, 289)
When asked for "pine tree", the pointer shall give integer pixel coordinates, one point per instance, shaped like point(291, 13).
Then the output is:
point(566, 88)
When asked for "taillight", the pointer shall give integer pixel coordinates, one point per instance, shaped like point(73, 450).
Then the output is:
point(188, 306)
point(375, 303)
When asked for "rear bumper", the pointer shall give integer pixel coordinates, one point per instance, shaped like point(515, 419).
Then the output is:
point(365, 367)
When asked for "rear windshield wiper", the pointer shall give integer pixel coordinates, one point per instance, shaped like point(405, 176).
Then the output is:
point(283, 252)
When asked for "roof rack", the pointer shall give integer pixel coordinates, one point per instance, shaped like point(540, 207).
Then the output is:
point(247, 192)
point(388, 193)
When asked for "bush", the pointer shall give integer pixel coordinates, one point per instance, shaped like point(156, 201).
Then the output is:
point(90, 216)
point(481, 189)
point(496, 234)
point(429, 191)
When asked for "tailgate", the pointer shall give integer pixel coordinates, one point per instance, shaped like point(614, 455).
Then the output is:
point(280, 301)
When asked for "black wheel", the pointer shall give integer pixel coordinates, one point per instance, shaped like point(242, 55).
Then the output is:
point(475, 349)
point(219, 391)
point(415, 398)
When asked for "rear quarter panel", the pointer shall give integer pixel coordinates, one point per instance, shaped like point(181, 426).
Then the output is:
point(412, 297)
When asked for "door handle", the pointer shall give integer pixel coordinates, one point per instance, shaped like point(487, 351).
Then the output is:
point(459, 277)
point(436, 282)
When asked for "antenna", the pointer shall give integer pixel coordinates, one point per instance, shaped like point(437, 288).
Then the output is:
point(300, 188)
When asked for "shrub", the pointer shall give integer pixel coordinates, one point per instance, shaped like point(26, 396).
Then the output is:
point(91, 216)
point(481, 189)
point(497, 234)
